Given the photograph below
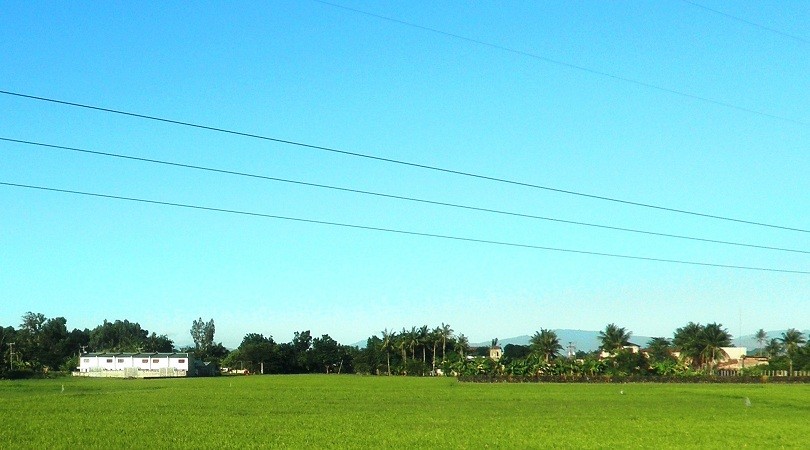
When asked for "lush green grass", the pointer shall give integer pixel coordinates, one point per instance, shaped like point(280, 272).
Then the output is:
point(373, 412)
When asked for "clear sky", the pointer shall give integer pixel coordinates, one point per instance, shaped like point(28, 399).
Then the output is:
point(319, 74)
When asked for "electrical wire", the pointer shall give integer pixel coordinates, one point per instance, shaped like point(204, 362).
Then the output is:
point(403, 163)
point(747, 22)
point(570, 65)
point(395, 197)
point(402, 232)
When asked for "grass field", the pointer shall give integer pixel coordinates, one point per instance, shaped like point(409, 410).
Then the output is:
point(381, 412)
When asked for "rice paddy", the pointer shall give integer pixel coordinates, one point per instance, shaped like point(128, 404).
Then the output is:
point(331, 411)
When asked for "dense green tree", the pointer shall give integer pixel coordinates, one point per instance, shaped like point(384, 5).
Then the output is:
point(202, 333)
point(118, 336)
point(658, 349)
point(255, 351)
point(159, 343)
point(52, 351)
point(613, 338)
point(512, 352)
point(371, 359)
point(302, 358)
point(545, 344)
point(8, 335)
point(327, 353)
point(626, 362)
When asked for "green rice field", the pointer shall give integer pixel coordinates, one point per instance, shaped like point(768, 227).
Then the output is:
point(333, 411)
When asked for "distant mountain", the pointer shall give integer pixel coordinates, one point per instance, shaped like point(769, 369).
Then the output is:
point(750, 341)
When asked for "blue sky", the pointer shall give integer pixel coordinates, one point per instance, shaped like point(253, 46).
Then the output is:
point(323, 75)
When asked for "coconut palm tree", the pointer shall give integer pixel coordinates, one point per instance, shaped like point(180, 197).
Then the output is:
point(687, 340)
point(435, 337)
point(614, 338)
point(402, 344)
point(545, 344)
point(462, 344)
point(712, 337)
point(658, 349)
point(413, 341)
point(386, 345)
point(773, 348)
point(447, 333)
point(791, 340)
point(424, 340)
point(761, 336)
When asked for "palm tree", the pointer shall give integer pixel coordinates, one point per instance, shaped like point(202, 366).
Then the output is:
point(386, 345)
point(687, 340)
point(447, 333)
point(402, 345)
point(614, 338)
point(712, 337)
point(435, 337)
point(413, 341)
point(462, 344)
point(761, 337)
point(658, 349)
point(424, 340)
point(791, 340)
point(773, 348)
point(545, 344)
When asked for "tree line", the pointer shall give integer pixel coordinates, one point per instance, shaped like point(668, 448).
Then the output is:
point(40, 345)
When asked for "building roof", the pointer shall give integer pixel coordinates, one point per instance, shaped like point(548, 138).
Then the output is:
point(139, 355)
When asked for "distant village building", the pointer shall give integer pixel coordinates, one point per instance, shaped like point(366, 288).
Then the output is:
point(736, 358)
point(495, 352)
point(631, 347)
point(142, 365)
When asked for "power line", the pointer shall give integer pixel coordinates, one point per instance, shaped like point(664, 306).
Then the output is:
point(404, 163)
point(570, 65)
point(396, 197)
point(403, 232)
point(747, 22)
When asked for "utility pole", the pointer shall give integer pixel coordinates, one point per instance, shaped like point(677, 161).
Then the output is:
point(10, 356)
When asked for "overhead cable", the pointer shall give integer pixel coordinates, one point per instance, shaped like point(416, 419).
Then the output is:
point(747, 22)
point(405, 163)
point(572, 66)
point(402, 232)
point(396, 197)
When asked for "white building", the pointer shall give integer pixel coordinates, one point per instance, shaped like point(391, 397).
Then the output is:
point(139, 365)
